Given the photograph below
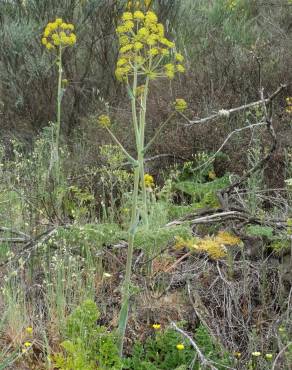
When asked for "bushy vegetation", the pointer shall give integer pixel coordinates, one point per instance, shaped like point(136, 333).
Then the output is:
point(145, 185)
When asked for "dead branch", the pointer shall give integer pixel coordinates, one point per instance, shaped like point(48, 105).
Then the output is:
point(227, 112)
point(201, 356)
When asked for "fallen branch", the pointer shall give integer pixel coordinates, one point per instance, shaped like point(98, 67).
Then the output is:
point(201, 356)
point(227, 112)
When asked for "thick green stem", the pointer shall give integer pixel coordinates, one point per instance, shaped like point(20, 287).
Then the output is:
point(59, 101)
point(142, 143)
point(123, 319)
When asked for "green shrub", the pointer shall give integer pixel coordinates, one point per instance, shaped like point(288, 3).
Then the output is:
point(88, 345)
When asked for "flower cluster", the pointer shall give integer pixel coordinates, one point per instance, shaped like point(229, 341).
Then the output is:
point(143, 46)
point(289, 104)
point(156, 326)
point(58, 33)
point(148, 180)
point(180, 105)
point(104, 120)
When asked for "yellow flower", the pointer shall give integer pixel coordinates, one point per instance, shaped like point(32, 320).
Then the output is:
point(160, 29)
point(139, 15)
point(180, 346)
point(151, 40)
point(104, 120)
point(256, 354)
point(269, 356)
point(121, 29)
point(153, 52)
point(237, 354)
point(143, 32)
point(50, 46)
point(180, 68)
point(47, 32)
point(180, 105)
point(124, 40)
point(156, 326)
point(121, 62)
point(138, 46)
point(127, 16)
point(179, 57)
point(148, 180)
point(166, 42)
point(128, 26)
point(70, 26)
point(58, 21)
point(126, 48)
point(27, 344)
point(164, 52)
point(44, 41)
point(29, 330)
point(151, 17)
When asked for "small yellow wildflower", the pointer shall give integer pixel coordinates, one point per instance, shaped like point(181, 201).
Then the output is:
point(179, 57)
point(180, 105)
point(237, 354)
point(256, 354)
point(29, 330)
point(151, 17)
point(124, 40)
point(139, 15)
point(59, 21)
point(50, 46)
point(121, 62)
point(128, 26)
point(127, 16)
point(180, 346)
point(27, 344)
point(269, 356)
point(44, 41)
point(148, 180)
point(156, 326)
point(160, 29)
point(104, 120)
point(138, 46)
point(126, 48)
point(180, 68)
point(153, 52)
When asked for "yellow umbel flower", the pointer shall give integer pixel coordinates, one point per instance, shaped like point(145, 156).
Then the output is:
point(180, 105)
point(148, 180)
point(139, 15)
point(180, 346)
point(179, 57)
point(127, 16)
point(143, 43)
point(58, 33)
point(156, 326)
point(27, 344)
point(29, 330)
point(104, 120)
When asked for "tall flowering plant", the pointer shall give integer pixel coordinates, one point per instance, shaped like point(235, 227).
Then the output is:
point(145, 54)
point(57, 36)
